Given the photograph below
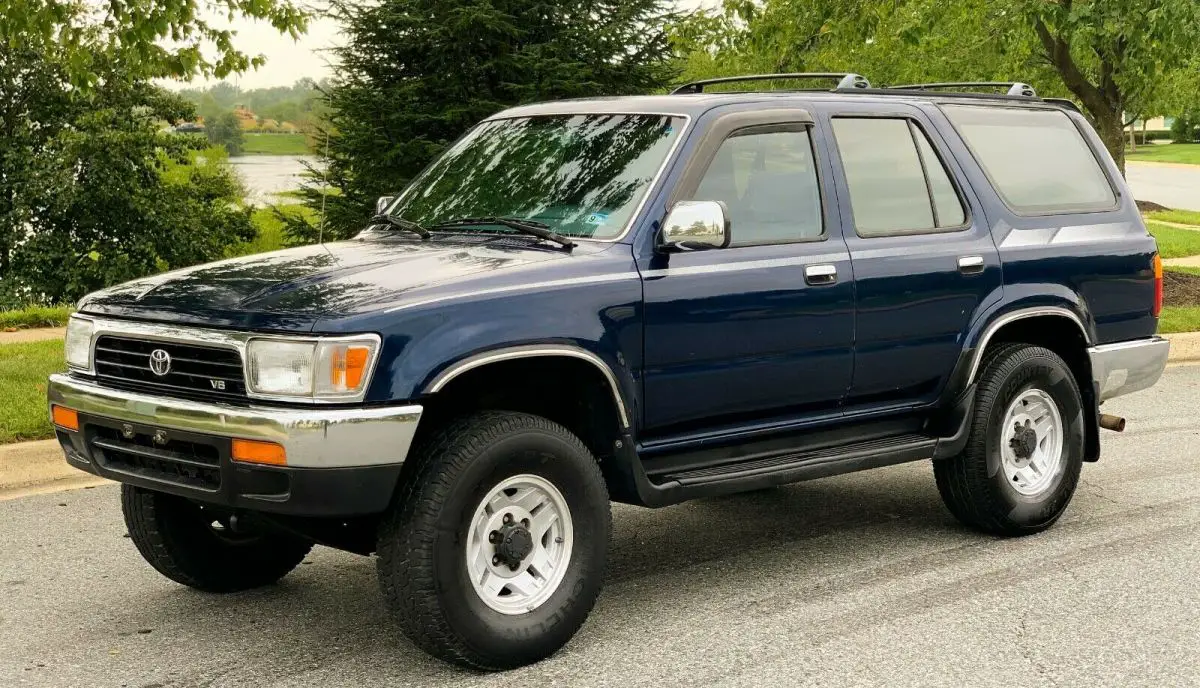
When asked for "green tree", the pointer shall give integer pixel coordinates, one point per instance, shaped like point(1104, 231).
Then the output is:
point(1120, 59)
point(103, 195)
point(152, 38)
point(414, 75)
point(224, 130)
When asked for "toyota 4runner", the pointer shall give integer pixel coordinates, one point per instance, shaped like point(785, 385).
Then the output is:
point(640, 299)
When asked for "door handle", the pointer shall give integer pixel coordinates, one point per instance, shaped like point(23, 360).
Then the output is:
point(970, 265)
point(817, 275)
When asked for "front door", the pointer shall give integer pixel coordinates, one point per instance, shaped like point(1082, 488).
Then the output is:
point(764, 328)
point(922, 253)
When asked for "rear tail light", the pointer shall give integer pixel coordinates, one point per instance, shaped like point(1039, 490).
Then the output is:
point(1158, 285)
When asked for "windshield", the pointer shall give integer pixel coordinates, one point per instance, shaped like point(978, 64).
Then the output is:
point(583, 175)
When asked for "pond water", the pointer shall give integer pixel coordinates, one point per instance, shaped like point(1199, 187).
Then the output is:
point(266, 176)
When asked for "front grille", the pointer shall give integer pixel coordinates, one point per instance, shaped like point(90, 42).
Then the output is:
point(192, 464)
point(204, 371)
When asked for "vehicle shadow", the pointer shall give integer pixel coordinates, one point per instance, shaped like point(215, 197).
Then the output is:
point(329, 612)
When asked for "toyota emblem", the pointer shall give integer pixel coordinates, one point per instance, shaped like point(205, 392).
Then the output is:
point(160, 362)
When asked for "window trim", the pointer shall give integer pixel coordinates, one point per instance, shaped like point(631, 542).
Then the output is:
point(914, 125)
point(1118, 196)
point(730, 125)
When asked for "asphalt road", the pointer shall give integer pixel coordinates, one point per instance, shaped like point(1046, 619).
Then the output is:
point(1175, 186)
point(856, 580)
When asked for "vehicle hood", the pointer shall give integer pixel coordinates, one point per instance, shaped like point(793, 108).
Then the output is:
point(293, 288)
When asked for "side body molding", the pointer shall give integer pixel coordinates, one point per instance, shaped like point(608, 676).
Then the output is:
point(533, 351)
point(1007, 318)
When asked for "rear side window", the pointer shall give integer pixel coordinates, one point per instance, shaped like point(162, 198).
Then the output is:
point(1037, 159)
point(898, 185)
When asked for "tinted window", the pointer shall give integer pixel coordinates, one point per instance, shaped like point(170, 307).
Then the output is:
point(768, 179)
point(1037, 159)
point(896, 186)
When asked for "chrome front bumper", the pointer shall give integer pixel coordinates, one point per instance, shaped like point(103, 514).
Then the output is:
point(1127, 367)
point(318, 437)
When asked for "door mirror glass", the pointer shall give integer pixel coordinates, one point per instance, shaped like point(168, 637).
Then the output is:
point(383, 203)
point(696, 225)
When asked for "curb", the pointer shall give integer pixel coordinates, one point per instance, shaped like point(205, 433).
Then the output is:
point(28, 468)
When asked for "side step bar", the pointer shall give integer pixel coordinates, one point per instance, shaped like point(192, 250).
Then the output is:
point(786, 467)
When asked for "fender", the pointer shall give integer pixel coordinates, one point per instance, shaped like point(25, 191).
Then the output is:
point(534, 351)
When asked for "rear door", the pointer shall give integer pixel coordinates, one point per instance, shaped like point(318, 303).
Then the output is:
point(761, 329)
point(923, 256)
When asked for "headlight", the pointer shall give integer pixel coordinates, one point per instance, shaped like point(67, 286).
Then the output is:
point(78, 345)
point(335, 368)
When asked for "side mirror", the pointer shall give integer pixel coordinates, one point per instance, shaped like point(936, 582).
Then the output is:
point(382, 203)
point(695, 226)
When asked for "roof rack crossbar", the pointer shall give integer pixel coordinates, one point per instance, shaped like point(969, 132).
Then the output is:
point(846, 80)
point(1015, 88)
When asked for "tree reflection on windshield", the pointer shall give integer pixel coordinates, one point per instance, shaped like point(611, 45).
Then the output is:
point(582, 174)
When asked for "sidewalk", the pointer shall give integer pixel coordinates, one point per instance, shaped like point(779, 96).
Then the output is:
point(38, 334)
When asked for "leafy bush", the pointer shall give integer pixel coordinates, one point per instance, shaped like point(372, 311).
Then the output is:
point(96, 193)
point(225, 130)
point(1183, 129)
point(35, 316)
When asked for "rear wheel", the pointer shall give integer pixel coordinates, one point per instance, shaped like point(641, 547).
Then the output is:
point(198, 547)
point(494, 552)
point(1025, 450)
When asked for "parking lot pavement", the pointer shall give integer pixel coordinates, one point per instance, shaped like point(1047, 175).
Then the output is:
point(1170, 184)
point(856, 580)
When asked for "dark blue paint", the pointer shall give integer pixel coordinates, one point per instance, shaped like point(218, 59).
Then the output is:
point(702, 353)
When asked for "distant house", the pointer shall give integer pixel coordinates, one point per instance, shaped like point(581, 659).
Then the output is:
point(246, 118)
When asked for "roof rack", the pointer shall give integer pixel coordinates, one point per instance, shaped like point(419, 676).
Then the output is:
point(1015, 88)
point(846, 80)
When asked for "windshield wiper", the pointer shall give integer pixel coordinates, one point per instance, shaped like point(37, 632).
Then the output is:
point(397, 221)
point(531, 227)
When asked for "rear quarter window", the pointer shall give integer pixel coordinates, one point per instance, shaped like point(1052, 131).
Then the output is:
point(1038, 160)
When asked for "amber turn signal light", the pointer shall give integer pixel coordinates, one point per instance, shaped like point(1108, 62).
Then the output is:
point(254, 451)
point(65, 418)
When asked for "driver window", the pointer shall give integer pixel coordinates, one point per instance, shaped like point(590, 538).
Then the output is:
point(767, 178)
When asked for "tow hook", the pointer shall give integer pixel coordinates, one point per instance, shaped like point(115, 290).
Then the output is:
point(1111, 422)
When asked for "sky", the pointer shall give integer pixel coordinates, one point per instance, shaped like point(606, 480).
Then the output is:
point(288, 60)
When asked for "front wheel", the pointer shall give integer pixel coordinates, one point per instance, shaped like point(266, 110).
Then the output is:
point(198, 547)
point(494, 551)
point(1025, 450)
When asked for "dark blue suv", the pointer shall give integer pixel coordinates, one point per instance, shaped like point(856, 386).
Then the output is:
point(642, 299)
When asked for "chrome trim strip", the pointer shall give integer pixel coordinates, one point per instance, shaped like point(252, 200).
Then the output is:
point(536, 286)
point(532, 352)
point(1019, 315)
point(684, 132)
point(224, 339)
point(1127, 367)
point(312, 438)
point(746, 265)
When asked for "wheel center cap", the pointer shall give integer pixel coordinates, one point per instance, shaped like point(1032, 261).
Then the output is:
point(1024, 442)
point(516, 542)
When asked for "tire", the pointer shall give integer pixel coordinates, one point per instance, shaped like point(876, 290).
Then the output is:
point(424, 538)
point(176, 536)
point(979, 487)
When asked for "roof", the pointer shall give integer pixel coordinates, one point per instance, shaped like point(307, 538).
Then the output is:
point(694, 104)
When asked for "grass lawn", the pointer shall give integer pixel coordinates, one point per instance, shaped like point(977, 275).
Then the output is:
point(35, 316)
point(270, 229)
point(23, 372)
point(1179, 319)
point(1181, 217)
point(1174, 242)
point(1188, 153)
point(275, 144)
